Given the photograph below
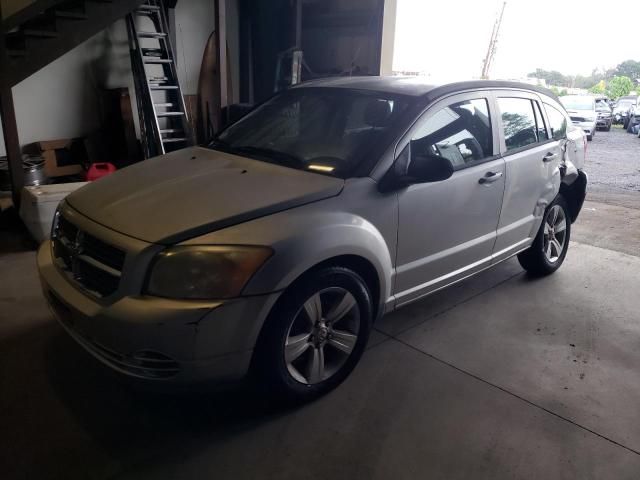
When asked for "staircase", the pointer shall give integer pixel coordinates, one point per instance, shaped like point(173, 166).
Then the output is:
point(35, 36)
point(47, 29)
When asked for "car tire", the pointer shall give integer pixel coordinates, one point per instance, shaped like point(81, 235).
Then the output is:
point(608, 128)
point(629, 127)
point(284, 362)
point(590, 137)
point(544, 256)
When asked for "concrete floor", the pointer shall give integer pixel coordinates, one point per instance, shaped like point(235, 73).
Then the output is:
point(500, 376)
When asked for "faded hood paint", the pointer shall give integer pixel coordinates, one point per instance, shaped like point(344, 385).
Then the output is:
point(194, 191)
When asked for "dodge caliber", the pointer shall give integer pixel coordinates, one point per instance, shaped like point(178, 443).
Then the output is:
point(270, 253)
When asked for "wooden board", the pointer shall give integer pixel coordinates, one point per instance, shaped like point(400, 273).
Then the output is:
point(209, 93)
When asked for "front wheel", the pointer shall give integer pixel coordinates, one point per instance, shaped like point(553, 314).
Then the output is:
point(549, 248)
point(315, 336)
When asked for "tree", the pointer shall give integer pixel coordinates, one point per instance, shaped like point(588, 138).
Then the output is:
point(599, 88)
point(552, 77)
point(563, 92)
point(619, 86)
point(628, 68)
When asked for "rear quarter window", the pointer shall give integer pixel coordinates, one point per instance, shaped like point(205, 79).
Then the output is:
point(557, 122)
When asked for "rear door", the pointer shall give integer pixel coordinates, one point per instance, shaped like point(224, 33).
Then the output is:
point(447, 229)
point(532, 159)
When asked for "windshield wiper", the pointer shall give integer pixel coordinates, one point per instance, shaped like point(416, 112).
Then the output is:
point(269, 154)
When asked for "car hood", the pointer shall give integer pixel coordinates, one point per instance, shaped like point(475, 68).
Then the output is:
point(582, 113)
point(190, 192)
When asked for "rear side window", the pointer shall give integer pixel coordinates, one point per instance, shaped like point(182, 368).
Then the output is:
point(518, 122)
point(557, 122)
point(460, 132)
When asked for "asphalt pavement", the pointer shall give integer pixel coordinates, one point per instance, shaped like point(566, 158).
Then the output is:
point(613, 166)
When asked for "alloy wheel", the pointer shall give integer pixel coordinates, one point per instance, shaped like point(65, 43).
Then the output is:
point(555, 233)
point(322, 335)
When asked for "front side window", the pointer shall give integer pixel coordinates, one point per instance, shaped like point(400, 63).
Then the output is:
point(518, 122)
point(557, 122)
point(460, 132)
point(328, 131)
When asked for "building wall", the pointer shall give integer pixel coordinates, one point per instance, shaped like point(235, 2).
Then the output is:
point(195, 21)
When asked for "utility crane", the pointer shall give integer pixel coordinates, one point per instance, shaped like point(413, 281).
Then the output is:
point(491, 51)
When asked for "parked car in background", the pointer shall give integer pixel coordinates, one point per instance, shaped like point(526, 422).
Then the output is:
point(605, 117)
point(621, 110)
point(633, 117)
point(274, 250)
point(582, 110)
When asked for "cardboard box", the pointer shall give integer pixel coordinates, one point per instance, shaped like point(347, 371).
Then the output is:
point(61, 157)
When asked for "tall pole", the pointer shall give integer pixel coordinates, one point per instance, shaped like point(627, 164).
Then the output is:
point(491, 49)
point(9, 125)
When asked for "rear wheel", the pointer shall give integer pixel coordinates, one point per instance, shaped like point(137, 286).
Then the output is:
point(315, 336)
point(550, 246)
point(590, 137)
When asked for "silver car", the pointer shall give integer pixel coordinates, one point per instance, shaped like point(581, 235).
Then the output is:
point(275, 249)
point(582, 110)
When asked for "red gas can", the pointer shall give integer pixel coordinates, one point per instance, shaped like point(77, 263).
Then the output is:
point(99, 170)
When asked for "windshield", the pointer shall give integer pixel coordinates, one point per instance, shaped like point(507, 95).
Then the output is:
point(602, 107)
point(328, 131)
point(577, 103)
point(624, 103)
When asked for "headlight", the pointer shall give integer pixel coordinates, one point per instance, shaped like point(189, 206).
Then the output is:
point(204, 272)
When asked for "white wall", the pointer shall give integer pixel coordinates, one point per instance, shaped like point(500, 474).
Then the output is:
point(195, 21)
point(62, 99)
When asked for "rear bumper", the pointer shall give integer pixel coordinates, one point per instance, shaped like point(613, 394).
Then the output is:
point(575, 194)
point(155, 339)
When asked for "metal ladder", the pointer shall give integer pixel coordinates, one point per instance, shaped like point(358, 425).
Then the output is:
point(164, 125)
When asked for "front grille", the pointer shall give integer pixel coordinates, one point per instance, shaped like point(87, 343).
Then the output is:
point(93, 264)
point(578, 119)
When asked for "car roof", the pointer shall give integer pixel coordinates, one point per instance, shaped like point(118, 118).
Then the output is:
point(416, 86)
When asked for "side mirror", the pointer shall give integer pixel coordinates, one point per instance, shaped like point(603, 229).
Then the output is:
point(429, 168)
point(411, 167)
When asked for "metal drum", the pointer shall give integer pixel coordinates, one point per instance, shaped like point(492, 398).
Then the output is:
point(33, 167)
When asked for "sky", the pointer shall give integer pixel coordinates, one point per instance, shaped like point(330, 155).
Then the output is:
point(448, 39)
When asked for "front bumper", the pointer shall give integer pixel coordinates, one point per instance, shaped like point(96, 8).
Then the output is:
point(156, 339)
point(604, 122)
point(588, 127)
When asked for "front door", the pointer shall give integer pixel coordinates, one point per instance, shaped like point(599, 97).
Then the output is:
point(447, 229)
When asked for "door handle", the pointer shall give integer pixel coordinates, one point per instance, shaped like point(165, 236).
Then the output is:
point(490, 177)
point(549, 157)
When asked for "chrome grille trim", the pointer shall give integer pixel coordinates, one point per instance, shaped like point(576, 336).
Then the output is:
point(93, 265)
